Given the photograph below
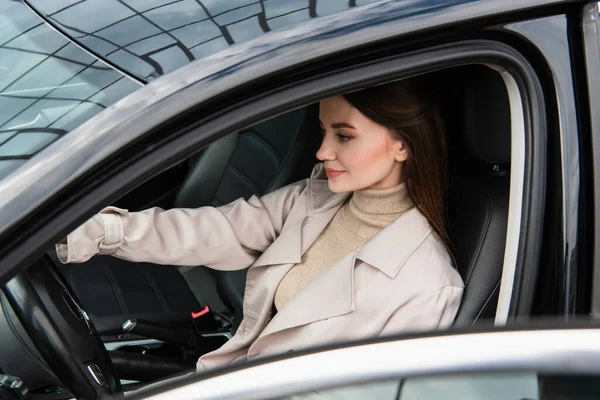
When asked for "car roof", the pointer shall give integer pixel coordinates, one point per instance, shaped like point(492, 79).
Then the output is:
point(49, 172)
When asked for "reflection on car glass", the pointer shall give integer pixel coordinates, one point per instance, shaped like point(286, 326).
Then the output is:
point(151, 38)
point(48, 85)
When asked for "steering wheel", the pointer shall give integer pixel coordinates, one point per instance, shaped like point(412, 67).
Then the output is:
point(62, 331)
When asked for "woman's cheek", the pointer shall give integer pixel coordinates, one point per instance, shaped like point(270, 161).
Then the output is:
point(363, 158)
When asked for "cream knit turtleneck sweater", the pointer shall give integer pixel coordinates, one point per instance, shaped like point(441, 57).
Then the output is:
point(358, 220)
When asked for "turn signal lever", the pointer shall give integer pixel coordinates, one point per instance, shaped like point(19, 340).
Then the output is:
point(189, 337)
point(179, 336)
point(12, 387)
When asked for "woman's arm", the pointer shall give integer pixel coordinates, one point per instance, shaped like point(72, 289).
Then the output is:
point(227, 238)
point(429, 311)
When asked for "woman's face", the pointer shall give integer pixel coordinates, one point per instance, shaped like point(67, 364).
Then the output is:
point(358, 153)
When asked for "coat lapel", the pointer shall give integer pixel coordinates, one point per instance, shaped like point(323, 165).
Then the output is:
point(307, 305)
point(301, 230)
point(331, 293)
point(390, 248)
point(299, 233)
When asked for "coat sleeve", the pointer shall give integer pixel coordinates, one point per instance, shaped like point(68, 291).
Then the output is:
point(427, 312)
point(226, 238)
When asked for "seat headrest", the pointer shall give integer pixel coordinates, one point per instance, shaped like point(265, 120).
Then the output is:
point(487, 117)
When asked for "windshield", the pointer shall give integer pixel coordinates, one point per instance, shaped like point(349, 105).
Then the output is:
point(48, 86)
point(52, 81)
point(148, 38)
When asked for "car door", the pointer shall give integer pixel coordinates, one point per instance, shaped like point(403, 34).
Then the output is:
point(172, 118)
point(542, 364)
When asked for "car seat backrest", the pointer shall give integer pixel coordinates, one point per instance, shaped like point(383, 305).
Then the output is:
point(479, 192)
point(253, 161)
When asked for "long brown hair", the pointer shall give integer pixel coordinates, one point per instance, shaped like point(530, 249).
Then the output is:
point(409, 109)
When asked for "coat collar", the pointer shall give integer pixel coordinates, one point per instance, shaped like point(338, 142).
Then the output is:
point(390, 248)
point(387, 251)
point(319, 197)
point(331, 293)
point(299, 232)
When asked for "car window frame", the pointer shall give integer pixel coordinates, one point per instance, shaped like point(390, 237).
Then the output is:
point(202, 83)
point(190, 139)
point(178, 140)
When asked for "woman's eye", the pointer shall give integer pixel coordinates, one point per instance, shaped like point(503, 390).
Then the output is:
point(343, 138)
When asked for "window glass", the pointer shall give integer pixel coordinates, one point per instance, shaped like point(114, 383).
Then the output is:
point(197, 28)
point(483, 386)
point(48, 85)
point(196, 34)
point(472, 387)
point(132, 29)
point(175, 15)
point(105, 12)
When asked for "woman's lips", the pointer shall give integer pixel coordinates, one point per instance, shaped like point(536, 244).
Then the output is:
point(332, 173)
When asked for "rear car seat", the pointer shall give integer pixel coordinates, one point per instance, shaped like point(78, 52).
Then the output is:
point(256, 160)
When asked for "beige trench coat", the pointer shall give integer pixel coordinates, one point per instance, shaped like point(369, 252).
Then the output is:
point(401, 280)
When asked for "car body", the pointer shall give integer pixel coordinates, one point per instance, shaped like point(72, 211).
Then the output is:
point(547, 53)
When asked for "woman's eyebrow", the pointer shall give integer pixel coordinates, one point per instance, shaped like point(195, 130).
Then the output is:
point(338, 125)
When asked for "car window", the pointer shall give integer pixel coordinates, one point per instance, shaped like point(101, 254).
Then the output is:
point(151, 38)
point(48, 85)
point(481, 386)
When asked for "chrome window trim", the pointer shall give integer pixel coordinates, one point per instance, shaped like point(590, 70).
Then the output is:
point(547, 351)
point(515, 202)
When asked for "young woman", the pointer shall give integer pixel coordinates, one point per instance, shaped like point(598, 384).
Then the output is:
point(358, 250)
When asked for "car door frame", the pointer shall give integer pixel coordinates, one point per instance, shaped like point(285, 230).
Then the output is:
point(194, 137)
point(204, 84)
point(104, 175)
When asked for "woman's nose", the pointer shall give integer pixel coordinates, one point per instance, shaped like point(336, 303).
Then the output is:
point(325, 153)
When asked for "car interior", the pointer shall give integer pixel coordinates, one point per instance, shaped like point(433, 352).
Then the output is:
point(158, 319)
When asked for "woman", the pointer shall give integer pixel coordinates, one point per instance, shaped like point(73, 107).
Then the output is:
point(358, 250)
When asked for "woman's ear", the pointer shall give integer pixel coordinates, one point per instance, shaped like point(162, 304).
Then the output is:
point(401, 152)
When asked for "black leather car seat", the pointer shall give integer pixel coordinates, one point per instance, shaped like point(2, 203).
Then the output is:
point(252, 161)
point(479, 192)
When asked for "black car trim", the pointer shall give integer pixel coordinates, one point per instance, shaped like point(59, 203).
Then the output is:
point(591, 40)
